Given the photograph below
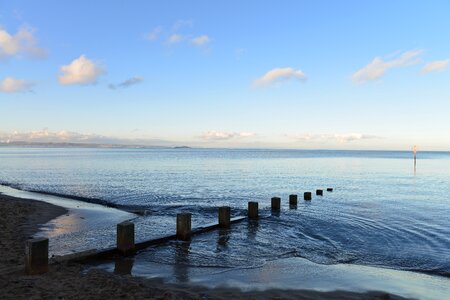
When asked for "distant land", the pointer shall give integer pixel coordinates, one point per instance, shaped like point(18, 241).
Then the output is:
point(84, 145)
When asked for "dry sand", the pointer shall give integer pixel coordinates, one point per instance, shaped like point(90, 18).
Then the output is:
point(19, 219)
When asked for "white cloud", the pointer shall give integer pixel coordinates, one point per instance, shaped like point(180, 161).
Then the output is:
point(201, 40)
point(80, 71)
point(11, 85)
point(129, 82)
point(341, 138)
point(378, 67)
point(154, 34)
point(221, 136)
point(22, 43)
point(279, 74)
point(435, 66)
point(175, 38)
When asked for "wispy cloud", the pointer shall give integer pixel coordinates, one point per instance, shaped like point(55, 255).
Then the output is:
point(341, 138)
point(279, 74)
point(200, 40)
point(222, 136)
point(12, 85)
point(378, 67)
point(436, 66)
point(239, 52)
point(179, 24)
point(22, 43)
point(127, 83)
point(154, 34)
point(175, 38)
point(80, 71)
point(178, 33)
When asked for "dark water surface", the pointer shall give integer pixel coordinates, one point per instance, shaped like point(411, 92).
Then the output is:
point(381, 212)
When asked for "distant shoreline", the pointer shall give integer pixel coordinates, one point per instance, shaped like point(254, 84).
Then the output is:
point(27, 145)
point(85, 145)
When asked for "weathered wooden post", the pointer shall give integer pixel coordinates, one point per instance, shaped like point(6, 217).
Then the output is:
point(276, 203)
point(319, 192)
point(292, 200)
point(125, 238)
point(184, 226)
point(36, 256)
point(253, 210)
point(329, 189)
point(224, 216)
point(307, 196)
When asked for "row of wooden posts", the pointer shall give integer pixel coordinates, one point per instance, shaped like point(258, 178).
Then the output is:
point(36, 250)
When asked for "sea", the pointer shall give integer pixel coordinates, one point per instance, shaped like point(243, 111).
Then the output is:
point(384, 211)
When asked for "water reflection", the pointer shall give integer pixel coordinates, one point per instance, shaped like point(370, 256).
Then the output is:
point(123, 266)
point(252, 229)
point(276, 213)
point(223, 238)
point(181, 266)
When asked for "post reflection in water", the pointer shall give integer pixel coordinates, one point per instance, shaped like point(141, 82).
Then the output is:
point(223, 238)
point(123, 266)
point(252, 229)
point(181, 266)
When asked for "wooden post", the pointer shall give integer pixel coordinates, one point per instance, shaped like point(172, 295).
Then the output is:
point(415, 158)
point(253, 210)
point(293, 200)
point(224, 216)
point(307, 196)
point(319, 192)
point(184, 226)
point(36, 256)
point(125, 237)
point(276, 203)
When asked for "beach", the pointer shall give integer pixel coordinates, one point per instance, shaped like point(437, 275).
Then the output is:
point(21, 218)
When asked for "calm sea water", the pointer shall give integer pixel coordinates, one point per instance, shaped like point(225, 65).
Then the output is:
point(381, 212)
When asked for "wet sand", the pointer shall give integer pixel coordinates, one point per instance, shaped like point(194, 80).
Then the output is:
point(20, 219)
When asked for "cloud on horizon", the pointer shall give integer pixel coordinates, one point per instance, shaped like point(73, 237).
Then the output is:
point(64, 136)
point(223, 136)
point(127, 83)
point(22, 43)
point(12, 85)
point(341, 138)
point(436, 66)
point(278, 75)
point(378, 67)
point(80, 71)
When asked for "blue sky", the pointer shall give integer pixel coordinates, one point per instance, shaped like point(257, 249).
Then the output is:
point(284, 74)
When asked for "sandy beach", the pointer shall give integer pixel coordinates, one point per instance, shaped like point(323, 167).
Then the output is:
point(21, 218)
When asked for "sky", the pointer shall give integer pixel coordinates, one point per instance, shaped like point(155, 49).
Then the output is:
point(245, 74)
